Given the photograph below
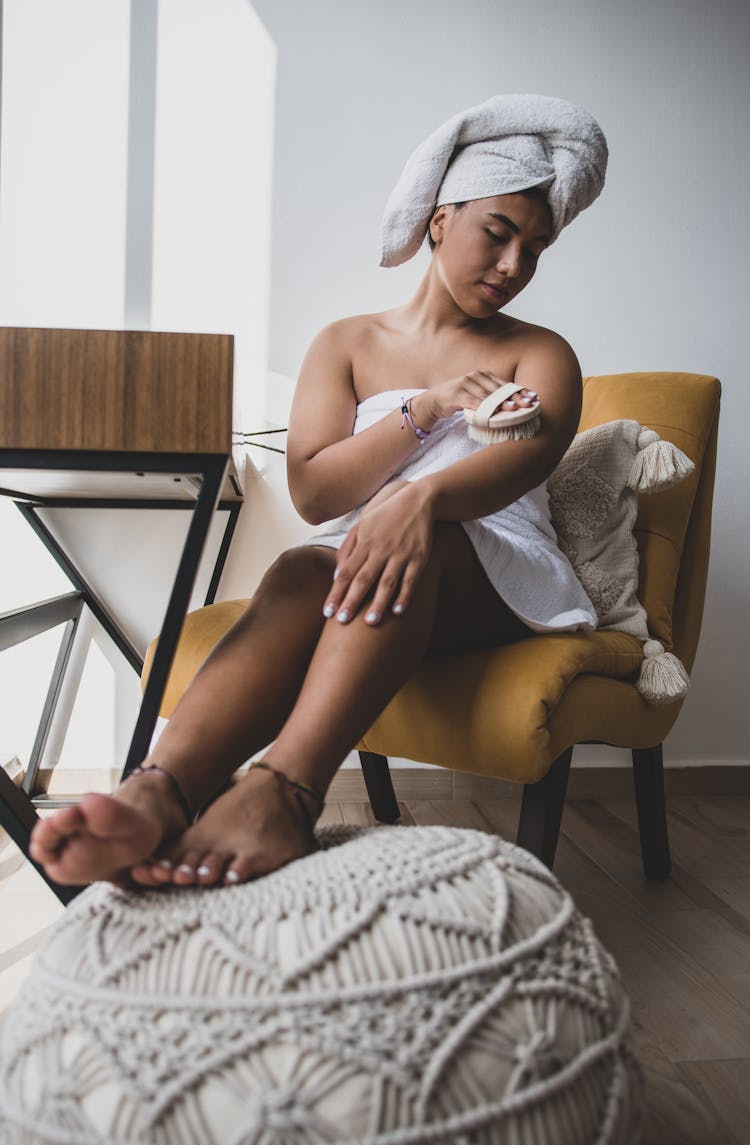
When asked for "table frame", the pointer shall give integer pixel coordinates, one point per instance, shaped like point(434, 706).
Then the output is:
point(18, 813)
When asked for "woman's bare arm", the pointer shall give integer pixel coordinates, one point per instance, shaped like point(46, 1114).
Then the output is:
point(329, 470)
point(497, 476)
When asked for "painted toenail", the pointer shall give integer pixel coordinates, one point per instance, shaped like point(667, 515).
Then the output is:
point(203, 871)
point(232, 876)
point(185, 869)
point(165, 864)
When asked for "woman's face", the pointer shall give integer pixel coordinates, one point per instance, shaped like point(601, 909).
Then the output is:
point(487, 250)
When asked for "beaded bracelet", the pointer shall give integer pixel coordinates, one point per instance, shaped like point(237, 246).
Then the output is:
point(422, 434)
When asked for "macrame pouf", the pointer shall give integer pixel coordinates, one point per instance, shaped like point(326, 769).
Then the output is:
point(401, 985)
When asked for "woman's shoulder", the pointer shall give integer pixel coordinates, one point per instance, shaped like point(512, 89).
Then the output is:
point(507, 327)
point(346, 339)
point(355, 326)
point(530, 340)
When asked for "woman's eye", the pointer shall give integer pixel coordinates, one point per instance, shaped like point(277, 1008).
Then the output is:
point(497, 238)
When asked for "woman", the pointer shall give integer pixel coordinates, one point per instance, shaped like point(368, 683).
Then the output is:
point(443, 545)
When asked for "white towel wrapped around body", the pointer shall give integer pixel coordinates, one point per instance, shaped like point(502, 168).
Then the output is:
point(507, 144)
point(516, 546)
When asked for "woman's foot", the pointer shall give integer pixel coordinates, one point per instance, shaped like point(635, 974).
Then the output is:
point(104, 835)
point(251, 830)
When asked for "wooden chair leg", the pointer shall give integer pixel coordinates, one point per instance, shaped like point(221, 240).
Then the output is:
point(379, 787)
point(648, 775)
point(541, 810)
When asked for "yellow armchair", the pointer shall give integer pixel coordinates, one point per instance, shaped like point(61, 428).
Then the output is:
point(517, 712)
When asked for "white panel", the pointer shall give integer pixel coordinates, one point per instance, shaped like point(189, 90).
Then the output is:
point(215, 78)
point(64, 148)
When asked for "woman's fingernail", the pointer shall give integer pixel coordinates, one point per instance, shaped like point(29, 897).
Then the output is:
point(231, 876)
point(531, 393)
point(335, 574)
point(372, 618)
point(398, 608)
point(329, 610)
point(343, 616)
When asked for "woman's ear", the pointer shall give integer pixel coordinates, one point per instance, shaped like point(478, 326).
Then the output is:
point(437, 224)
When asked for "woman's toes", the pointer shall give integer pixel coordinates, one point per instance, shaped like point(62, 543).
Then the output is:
point(211, 868)
point(143, 874)
point(162, 871)
point(184, 872)
point(240, 870)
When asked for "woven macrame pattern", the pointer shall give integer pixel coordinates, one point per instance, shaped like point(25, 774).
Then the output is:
point(401, 985)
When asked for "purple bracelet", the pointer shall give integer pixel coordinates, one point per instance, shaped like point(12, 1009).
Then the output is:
point(406, 417)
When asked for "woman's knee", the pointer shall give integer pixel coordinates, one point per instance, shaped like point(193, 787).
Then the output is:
point(299, 570)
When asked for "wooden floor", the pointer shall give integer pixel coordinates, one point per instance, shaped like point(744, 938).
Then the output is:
point(683, 946)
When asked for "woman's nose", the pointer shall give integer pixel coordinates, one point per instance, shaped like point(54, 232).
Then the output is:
point(509, 262)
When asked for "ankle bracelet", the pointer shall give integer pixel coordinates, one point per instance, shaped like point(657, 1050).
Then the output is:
point(282, 778)
point(298, 788)
point(176, 789)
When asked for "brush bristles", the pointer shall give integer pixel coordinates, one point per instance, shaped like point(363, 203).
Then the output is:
point(486, 436)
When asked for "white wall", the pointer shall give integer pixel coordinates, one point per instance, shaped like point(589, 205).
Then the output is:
point(654, 276)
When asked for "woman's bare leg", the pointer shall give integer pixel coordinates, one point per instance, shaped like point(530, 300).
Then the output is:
point(356, 668)
point(236, 704)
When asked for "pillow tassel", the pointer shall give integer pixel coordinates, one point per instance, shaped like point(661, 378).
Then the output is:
point(658, 464)
point(663, 678)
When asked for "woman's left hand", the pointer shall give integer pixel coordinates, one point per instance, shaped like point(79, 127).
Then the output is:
point(384, 554)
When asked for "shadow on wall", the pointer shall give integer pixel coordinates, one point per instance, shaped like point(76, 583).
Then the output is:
point(268, 524)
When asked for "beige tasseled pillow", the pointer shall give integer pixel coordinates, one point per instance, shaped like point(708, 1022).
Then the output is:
point(594, 504)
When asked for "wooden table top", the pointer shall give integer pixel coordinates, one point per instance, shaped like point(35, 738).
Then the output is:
point(115, 390)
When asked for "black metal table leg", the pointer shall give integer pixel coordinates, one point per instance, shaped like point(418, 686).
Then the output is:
point(213, 478)
point(74, 575)
point(233, 510)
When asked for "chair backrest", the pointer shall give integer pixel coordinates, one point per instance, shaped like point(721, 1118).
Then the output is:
point(673, 529)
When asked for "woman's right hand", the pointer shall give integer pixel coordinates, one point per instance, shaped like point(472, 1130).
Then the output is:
point(465, 392)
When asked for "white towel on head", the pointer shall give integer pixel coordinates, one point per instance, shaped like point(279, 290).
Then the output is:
point(509, 143)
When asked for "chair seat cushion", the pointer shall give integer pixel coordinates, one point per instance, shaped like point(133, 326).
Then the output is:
point(402, 984)
point(490, 712)
point(201, 632)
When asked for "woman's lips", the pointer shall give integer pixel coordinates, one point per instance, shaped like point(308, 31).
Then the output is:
point(496, 293)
